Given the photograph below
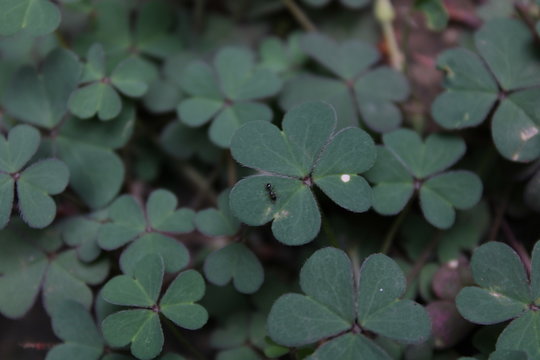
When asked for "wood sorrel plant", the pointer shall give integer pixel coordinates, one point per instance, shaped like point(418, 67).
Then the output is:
point(293, 179)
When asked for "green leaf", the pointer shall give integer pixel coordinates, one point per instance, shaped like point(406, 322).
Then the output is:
point(73, 324)
point(178, 302)
point(175, 255)
point(394, 185)
point(163, 215)
point(21, 144)
point(436, 154)
point(309, 87)
point(435, 13)
point(295, 215)
point(497, 267)
point(535, 274)
point(281, 57)
point(350, 347)
point(82, 232)
point(442, 193)
point(508, 355)
point(96, 172)
point(506, 45)
point(239, 79)
point(198, 79)
point(97, 98)
point(128, 221)
point(36, 17)
point(333, 305)
point(483, 306)
point(504, 290)
point(346, 60)
point(218, 222)
point(141, 289)
point(260, 145)
point(40, 98)
point(223, 94)
point(517, 140)
point(376, 93)
point(359, 91)
point(36, 183)
point(231, 118)
point(162, 96)
point(382, 283)
point(303, 153)
point(23, 267)
point(198, 111)
point(95, 68)
point(297, 320)
point(472, 90)
point(140, 328)
point(68, 278)
point(328, 308)
point(522, 335)
point(133, 75)
point(237, 263)
point(351, 150)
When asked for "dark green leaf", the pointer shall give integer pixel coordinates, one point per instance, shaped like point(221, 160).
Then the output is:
point(237, 263)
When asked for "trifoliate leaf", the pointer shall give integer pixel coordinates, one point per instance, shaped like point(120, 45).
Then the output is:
point(406, 165)
point(98, 94)
point(30, 262)
point(34, 183)
point(332, 307)
point(226, 93)
point(506, 69)
point(150, 229)
point(357, 91)
point(141, 325)
point(306, 152)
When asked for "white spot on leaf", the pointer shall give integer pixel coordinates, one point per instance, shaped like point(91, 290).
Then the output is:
point(345, 178)
point(528, 133)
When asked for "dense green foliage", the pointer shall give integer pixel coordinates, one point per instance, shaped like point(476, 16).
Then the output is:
point(251, 179)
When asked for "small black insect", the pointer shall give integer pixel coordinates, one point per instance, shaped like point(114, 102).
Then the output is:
point(271, 194)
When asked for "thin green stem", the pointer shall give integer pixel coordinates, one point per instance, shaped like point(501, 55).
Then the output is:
point(300, 15)
point(181, 339)
point(391, 234)
point(327, 228)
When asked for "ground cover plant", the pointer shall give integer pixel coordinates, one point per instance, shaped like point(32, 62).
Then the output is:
point(269, 179)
